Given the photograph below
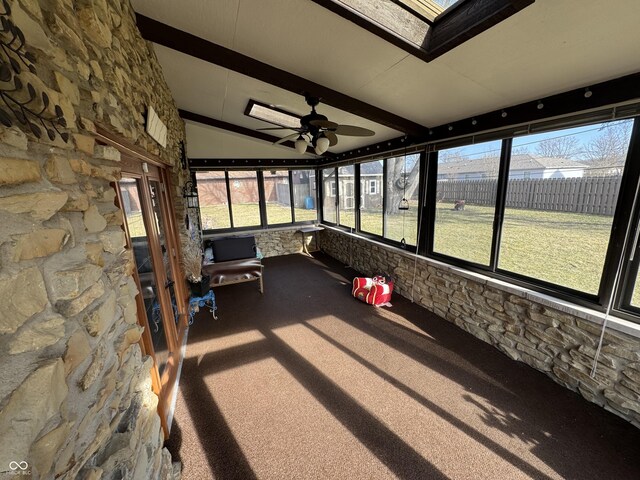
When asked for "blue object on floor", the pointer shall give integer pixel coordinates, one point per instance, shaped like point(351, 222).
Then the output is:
point(195, 303)
point(308, 203)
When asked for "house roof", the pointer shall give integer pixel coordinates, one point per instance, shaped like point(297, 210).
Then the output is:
point(518, 162)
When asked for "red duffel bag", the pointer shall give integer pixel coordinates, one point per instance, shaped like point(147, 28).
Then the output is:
point(374, 291)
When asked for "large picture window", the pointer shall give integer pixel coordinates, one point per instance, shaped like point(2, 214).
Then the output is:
point(245, 198)
point(557, 220)
point(371, 197)
point(467, 180)
point(541, 210)
point(346, 189)
point(329, 211)
point(402, 179)
point(248, 199)
point(304, 195)
point(277, 196)
point(214, 200)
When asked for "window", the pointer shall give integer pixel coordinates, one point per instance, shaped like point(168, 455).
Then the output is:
point(465, 203)
point(403, 176)
point(233, 199)
point(346, 177)
point(273, 115)
point(556, 227)
point(304, 195)
point(371, 199)
point(214, 202)
point(245, 198)
point(329, 213)
point(277, 196)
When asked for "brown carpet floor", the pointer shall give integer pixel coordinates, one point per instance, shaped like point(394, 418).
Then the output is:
point(305, 382)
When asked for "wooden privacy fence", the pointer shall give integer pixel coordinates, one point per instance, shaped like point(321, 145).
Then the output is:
point(596, 195)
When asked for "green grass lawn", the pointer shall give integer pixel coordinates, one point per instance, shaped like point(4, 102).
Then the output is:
point(248, 215)
point(399, 226)
point(563, 248)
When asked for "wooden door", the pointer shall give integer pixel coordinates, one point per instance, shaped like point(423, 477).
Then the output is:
point(144, 197)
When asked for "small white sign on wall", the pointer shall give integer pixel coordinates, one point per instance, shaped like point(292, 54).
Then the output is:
point(156, 128)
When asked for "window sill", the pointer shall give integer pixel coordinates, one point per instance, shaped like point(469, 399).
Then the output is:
point(583, 313)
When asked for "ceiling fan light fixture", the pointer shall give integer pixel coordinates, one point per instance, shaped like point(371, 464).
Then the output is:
point(301, 145)
point(322, 145)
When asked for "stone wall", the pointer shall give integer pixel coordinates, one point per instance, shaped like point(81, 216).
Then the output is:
point(276, 242)
point(75, 390)
point(273, 243)
point(522, 324)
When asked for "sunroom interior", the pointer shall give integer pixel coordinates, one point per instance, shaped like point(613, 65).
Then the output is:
point(438, 200)
point(509, 137)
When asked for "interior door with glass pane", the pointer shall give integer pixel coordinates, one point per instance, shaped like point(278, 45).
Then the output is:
point(155, 192)
point(151, 236)
point(160, 206)
point(131, 193)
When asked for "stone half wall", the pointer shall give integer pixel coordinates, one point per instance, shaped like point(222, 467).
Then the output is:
point(559, 344)
point(75, 390)
point(276, 242)
point(273, 243)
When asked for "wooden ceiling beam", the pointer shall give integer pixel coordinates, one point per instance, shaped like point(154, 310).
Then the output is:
point(189, 44)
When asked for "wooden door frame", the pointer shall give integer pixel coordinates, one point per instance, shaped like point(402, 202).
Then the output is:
point(132, 160)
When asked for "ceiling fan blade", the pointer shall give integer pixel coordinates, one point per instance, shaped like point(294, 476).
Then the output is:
point(353, 131)
point(284, 139)
point(333, 139)
point(324, 124)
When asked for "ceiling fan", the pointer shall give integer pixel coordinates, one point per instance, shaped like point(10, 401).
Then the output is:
point(318, 131)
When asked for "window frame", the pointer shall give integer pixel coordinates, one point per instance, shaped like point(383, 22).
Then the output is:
point(505, 157)
point(621, 218)
point(264, 225)
point(334, 188)
point(341, 198)
point(291, 206)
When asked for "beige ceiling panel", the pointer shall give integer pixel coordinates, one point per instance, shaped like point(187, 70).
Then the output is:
point(551, 47)
point(211, 19)
point(427, 93)
point(196, 85)
point(242, 88)
point(312, 42)
point(208, 142)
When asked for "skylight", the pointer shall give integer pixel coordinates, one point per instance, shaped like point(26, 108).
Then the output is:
point(273, 115)
point(400, 17)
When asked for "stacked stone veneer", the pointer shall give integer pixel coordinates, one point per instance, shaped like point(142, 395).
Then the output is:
point(276, 242)
point(273, 243)
point(75, 391)
point(521, 324)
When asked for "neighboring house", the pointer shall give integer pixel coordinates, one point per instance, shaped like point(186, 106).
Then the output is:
point(522, 166)
point(371, 187)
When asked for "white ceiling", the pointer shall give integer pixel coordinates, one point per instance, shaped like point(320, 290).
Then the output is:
point(547, 48)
